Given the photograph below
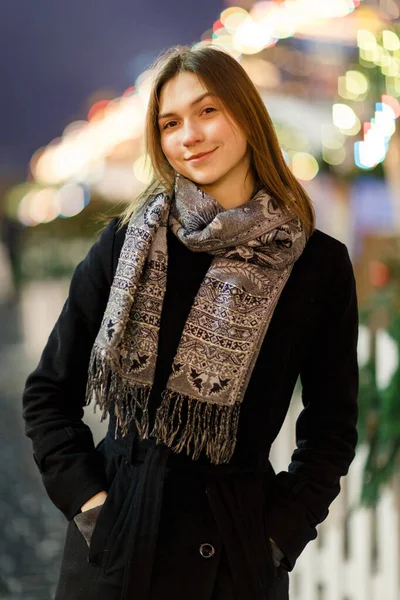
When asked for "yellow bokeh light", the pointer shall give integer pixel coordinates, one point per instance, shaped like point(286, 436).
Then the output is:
point(39, 206)
point(384, 59)
point(45, 170)
point(344, 117)
point(366, 39)
point(353, 86)
point(278, 18)
point(334, 156)
point(396, 85)
point(380, 56)
point(233, 17)
point(315, 9)
point(261, 10)
point(74, 128)
point(304, 166)
point(392, 69)
point(72, 158)
point(251, 37)
point(46, 204)
point(332, 137)
point(390, 40)
point(370, 56)
point(354, 129)
point(356, 83)
point(343, 91)
point(284, 29)
point(24, 210)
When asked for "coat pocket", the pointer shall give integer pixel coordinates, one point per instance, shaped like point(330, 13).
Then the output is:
point(111, 527)
point(86, 521)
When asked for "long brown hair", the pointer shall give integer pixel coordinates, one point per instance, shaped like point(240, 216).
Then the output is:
point(223, 76)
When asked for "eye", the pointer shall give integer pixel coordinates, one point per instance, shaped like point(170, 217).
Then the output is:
point(166, 126)
point(170, 124)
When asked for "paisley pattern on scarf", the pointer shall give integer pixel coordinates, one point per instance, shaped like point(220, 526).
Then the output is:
point(255, 247)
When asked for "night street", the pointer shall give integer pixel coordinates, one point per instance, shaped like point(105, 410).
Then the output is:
point(32, 528)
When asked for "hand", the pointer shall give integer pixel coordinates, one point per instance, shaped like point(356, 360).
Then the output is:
point(96, 500)
point(277, 554)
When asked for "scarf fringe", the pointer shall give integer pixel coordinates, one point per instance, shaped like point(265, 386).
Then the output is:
point(208, 426)
point(107, 389)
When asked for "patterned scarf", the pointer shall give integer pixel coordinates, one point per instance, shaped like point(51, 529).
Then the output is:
point(255, 247)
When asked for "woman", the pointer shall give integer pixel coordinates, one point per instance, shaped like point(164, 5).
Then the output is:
point(189, 323)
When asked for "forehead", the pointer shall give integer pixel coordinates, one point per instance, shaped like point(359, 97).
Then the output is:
point(180, 91)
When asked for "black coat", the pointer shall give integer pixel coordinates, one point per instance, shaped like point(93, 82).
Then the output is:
point(313, 334)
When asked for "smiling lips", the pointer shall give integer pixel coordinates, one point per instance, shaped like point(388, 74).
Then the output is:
point(198, 157)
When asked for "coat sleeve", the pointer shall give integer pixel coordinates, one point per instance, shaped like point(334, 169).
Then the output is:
point(326, 434)
point(54, 393)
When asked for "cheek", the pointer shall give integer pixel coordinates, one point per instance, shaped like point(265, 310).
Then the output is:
point(168, 148)
point(231, 136)
point(238, 142)
point(219, 129)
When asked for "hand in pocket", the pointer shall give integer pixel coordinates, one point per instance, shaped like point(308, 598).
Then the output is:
point(86, 521)
point(277, 554)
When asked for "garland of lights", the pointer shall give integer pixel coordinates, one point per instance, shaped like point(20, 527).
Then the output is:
point(382, 60)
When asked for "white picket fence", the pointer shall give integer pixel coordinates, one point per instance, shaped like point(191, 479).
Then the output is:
point(357, 553)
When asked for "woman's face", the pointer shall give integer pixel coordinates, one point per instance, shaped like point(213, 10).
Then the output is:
point(193, 122)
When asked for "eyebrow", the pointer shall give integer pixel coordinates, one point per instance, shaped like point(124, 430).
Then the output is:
point(199, 99)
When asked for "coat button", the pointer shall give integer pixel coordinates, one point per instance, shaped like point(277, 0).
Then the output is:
point(207, 550)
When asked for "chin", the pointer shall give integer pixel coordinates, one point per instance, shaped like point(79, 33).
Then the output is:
point(202, 179)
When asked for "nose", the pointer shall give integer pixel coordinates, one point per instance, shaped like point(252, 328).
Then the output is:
point(191, 134)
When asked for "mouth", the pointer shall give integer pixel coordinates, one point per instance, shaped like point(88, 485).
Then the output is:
point(199, 157)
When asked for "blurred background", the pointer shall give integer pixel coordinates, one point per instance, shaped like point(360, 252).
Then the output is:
point(74, 88)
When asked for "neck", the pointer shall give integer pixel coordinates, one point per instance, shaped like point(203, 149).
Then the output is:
point(232, 193)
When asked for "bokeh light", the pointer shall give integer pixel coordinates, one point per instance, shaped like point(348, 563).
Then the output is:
point(366, 40)
point(393, 103)
point(72, 199)
point(39, 206)
point(334, 156)
point(97, 111)
point(344, 117)
point(233, 17)
point(390, 40)
point(333, 145)
point(251, 37)
point(42, 205)
point(304, 166)
point(377, 133)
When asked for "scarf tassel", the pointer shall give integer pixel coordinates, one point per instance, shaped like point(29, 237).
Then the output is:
point(181, 422)
point(107, 389)
point(206, 426)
